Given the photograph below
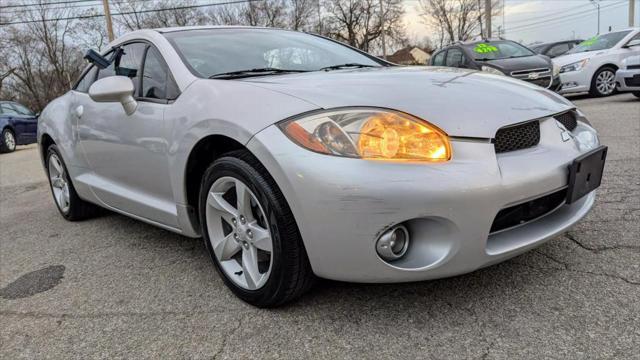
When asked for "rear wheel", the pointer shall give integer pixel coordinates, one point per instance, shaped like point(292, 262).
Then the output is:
point(250, 232)
point(8, 141)
point(67, 201)
point(603, 82)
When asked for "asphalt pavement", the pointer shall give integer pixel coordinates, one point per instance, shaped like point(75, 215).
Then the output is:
point(113, 287)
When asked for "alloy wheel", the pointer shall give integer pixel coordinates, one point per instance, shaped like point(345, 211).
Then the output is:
point(605, 82)
point(9, 140)
point(239, 233)
point(59, 183)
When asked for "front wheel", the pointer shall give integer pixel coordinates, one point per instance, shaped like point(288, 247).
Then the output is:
point(8, 141)
point(250, 232)
point(603, 82)
point(70, 205)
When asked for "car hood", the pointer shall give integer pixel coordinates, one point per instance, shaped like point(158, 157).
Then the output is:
point(461, 102)
point(571, 58)
point(520, 63)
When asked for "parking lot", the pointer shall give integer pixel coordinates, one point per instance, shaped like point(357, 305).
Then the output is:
point(114, 287)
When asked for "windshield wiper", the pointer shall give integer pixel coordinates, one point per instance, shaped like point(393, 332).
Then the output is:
point(343, 66)
point(253, 72)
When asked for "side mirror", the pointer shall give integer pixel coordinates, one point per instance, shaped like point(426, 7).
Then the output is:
point(631, 43)
point(115, 89)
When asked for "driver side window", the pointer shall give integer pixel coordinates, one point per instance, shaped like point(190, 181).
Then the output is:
point(127, 64)
point(455, 58)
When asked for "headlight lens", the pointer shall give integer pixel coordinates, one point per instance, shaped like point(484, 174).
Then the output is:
point(576, 66)
point(491, 70)
point(556, 70)
point(372, 134)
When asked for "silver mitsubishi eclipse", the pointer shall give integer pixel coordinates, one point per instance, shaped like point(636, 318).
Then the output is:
point(296, 157)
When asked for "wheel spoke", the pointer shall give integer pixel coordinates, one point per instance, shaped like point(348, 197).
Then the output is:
point(261, 237)
point(56, 165)
point(226, 248)
point(60, 198)
point(218, 202)
point(243, 200)
point(250, 267)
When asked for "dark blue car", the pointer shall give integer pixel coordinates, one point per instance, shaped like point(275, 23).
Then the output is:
point(19, 126)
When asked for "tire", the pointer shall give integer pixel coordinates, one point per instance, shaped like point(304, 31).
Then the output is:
point(8, 141)
point(289, 273)
point(72, 208)
point(636, 94)
point(607, 73)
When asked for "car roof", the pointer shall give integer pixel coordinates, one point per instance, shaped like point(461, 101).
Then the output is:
point(206, 27)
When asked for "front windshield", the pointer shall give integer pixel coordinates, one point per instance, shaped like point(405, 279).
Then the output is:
point(599, 42)
point(217, 51)
point(493, 50)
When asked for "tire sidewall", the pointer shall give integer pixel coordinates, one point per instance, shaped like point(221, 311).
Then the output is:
point(239, 169)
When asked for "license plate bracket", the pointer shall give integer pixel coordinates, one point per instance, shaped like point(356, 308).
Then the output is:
point(585, 173)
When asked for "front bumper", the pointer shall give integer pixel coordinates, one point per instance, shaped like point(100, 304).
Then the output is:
point(575, 82)
point(343, 205)
point(626, 80)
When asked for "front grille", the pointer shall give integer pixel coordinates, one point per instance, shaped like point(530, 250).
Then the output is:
point(567, 119)
point(528, 211)
point(517, 137)
point(541, 77)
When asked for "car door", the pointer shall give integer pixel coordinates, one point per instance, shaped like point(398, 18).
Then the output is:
point(127, 154)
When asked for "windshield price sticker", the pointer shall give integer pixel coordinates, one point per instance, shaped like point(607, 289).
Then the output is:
point(485, 48)
point(590, 42)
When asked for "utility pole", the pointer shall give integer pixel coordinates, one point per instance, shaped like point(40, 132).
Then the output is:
point(632, 12)
point(319, 18)
point(382, 35)
point(107, 15)
point(487, 14)
point(597, 5)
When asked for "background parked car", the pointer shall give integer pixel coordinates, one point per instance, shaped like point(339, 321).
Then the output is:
point(554, 49)
point(19, 126)
point(628, 76)
point(591, 66)
point(500, 57)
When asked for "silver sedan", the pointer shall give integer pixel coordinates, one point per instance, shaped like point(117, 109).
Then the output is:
point(297, 157)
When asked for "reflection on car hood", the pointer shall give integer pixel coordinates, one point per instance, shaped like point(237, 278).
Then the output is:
point(571, 58)
point(461, 102)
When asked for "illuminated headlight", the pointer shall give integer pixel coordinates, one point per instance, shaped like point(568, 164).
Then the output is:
point(373, 134)
point(491, 70)
point(576, 66)
point(556, 70)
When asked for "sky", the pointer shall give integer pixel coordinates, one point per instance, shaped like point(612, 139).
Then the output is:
point(529, 21)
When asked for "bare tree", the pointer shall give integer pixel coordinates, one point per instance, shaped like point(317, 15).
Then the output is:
point(40, 55)
point(137, 14)
point(358, 22)
point(455, 19)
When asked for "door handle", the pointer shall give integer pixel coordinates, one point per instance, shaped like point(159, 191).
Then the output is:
point(78, 111)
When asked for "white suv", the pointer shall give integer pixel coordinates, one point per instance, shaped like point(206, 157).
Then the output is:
point(591, 66)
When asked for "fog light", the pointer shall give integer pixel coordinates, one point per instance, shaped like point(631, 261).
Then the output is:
point(393, 244)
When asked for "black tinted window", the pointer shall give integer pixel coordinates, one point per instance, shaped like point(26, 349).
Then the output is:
point(438, 60)
point(454, 58)
point(156, 76)
point(127, 64)
point(87, 80)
